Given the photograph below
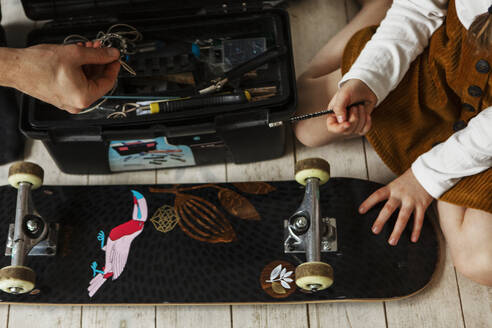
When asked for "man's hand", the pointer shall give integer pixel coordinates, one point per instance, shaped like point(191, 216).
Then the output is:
point(358, 120)
point(404, 192)
point(70, 77)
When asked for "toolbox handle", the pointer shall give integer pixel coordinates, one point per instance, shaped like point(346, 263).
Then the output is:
point(159, 130)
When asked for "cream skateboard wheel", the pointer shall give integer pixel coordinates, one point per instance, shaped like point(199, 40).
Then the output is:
point(26, 172)
point(17, 279)
point(314, 276)
point(312, 168)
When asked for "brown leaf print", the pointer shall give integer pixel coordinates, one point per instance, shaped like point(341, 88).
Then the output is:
point(238, 205)
point(202, 221)
point(255, 188)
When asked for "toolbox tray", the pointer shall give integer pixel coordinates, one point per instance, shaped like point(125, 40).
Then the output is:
point(165, 18)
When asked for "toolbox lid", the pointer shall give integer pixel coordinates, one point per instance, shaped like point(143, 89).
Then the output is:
point(64, 9)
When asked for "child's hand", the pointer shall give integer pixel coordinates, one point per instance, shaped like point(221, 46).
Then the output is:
point(404, 192)
point(358, 119)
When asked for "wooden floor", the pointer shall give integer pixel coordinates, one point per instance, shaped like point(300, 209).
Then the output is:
point(451, 301)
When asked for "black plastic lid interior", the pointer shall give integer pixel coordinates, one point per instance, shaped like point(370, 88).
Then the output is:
point(59, 9)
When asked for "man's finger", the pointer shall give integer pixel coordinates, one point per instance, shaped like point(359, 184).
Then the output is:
point(101, 85)
point(97, 55)
point(376, 197)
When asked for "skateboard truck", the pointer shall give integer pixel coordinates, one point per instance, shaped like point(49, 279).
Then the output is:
point(29, 230)
point(306, 232)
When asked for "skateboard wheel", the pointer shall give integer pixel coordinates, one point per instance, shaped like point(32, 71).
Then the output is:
point(17, 279)
point(314, 276)
point(312, 168)
point(26, 172)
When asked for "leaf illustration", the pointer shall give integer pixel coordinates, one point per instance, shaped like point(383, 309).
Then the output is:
point(288, 274)
point(237, 205)
point(277, 288)
point(283, 273)
point(288, 280)
point(284, 284)
point(275, 272)
point(201, 220)
point(255, 188)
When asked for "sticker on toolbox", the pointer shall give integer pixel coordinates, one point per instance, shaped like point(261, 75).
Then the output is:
point(147, 154)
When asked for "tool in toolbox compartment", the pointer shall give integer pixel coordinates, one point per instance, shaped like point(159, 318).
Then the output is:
point(246, 55)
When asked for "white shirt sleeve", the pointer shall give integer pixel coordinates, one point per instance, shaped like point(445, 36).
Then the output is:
point(466, 152)
point(400, 38)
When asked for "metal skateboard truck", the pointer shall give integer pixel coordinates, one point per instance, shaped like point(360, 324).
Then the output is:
point(306, 232)
point(30, 230)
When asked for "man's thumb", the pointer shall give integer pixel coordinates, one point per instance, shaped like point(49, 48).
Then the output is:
point(99, 55)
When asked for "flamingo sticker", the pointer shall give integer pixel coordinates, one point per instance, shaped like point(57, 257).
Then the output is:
point(118, 245)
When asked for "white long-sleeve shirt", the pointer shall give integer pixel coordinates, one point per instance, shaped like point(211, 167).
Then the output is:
point(466, 152)
point(401, 37)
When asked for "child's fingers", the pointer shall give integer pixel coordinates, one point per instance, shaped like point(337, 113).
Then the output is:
point(368, 124)
point(333, 126)
point(352, 120)
point(418, 221)
point(376, 197)
point(361, 119)
point(401, 223)
point(339, 104)
point(391, 205)
point(97, 44)
point(89, 44)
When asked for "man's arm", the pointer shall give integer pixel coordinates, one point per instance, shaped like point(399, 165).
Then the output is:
point(465, 153)
point(70, 77)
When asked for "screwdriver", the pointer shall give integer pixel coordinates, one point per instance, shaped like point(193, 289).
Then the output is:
point(310, 115)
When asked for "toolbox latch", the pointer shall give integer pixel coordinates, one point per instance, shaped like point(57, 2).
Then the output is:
point(231, 7)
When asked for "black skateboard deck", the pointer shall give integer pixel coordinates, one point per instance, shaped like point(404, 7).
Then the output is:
point(211, 244)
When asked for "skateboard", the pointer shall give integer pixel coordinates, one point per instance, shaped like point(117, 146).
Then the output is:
point(215, 243)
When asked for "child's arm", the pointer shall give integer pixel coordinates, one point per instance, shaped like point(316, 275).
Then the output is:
point(465, 153)
point(401, 37)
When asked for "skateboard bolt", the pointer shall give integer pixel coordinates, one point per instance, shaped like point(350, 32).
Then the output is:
point(15, 290)
point(32, 225)
point(301, 222)
point(314, 287)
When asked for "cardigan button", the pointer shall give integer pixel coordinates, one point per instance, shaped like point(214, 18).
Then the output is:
point(482, 66)
point(474, 91)
point(468, 107)
point(459, 125)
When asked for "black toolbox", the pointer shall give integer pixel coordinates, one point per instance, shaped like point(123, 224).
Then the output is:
point(209, 134)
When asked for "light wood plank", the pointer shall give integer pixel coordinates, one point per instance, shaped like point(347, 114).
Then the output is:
point(346, 158)
point(347, 315)
point(44, 317)
point(124, 178)
point(437, 306)
point(4, 315)
point(193, 316)
point(118, 316)
point(476, 302)
point(377, 170)
point(270, 316)
point(313, 23)
point(193, 174)
point(15, 23)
